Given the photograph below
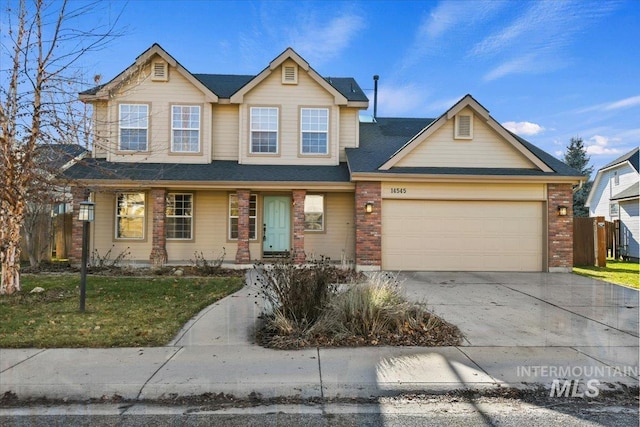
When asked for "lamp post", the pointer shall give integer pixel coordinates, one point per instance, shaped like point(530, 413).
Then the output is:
point(86, 215)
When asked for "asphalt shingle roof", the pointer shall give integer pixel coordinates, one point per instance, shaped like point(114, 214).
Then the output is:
point(632, 156)
point(217, 171)
point(631, 192)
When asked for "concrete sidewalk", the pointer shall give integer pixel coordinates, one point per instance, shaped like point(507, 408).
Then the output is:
point(521, 330)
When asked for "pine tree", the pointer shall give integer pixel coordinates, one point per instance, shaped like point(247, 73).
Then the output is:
point(576, 157)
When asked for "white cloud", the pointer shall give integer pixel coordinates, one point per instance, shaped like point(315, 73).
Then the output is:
point(400, 100)
point(537, 37)
point(319, 42)
point(598, 145)
point(523, 128)
point(623, 103)
point(629, 102)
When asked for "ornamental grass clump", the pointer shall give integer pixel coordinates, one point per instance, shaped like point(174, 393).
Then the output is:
point(370, 309)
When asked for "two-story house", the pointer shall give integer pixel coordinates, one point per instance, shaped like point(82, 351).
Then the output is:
point(614, 196)
point(280, 163)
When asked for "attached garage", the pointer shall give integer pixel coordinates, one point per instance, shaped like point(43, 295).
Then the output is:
point(463, 235)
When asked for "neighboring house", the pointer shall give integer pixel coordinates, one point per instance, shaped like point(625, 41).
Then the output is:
point(279, 163)
point(614, 196)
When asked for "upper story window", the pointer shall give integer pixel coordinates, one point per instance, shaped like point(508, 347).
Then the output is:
point(134, 124)
point(234, 213)
point(616, 178)
point(314, 130)
point(130, 216)
point(314, 212)
point(179, 216)
point(185, 128)
point(264, 130)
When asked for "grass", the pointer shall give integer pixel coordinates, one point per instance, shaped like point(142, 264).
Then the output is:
point(618, 272)
point(120, 311)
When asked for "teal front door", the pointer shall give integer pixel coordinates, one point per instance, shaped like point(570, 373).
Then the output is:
point(276, 225)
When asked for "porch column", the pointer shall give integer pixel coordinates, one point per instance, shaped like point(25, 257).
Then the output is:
point(298, 226)
point(560, 228)
point(242, 254)
point(158, 256)
point(79, 194)
point(368, 226)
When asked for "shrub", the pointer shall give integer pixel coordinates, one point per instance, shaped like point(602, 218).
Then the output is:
point(295, 293)
point(205, 267)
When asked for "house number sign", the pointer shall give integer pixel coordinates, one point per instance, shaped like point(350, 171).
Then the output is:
point(398, 190)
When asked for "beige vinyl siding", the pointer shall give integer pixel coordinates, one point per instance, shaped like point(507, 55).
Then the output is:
point(463, 191)
point(349, 130)
point(103, 232)
point(486, 149)
point(338, 239)
point(289, 98)
point(225, 132)
point(209, 229)
point(160, 96)
point(101, 130)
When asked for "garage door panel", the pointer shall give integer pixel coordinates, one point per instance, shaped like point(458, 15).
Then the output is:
point(462, 235)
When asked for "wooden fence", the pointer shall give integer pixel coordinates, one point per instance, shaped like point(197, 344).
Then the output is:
point(593, 240)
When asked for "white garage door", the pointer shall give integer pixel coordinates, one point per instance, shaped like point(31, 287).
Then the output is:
point(462, 235)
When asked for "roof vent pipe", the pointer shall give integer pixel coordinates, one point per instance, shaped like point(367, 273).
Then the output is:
point(375, 96)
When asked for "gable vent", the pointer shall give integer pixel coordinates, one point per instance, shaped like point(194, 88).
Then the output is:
point(464, 126)
point(160, 72)
point(289, 74)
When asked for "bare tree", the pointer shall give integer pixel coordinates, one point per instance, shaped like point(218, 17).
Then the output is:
point(42, 46)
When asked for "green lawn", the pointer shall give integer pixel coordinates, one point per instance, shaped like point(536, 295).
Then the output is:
point(620, 272)
point(120, 311)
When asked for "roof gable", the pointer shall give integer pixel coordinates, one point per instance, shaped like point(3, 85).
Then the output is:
point(630, 159)
point(103, 91)
point(289, 54)
point(511, 151)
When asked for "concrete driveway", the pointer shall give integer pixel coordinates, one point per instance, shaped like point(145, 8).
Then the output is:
point(560, 320)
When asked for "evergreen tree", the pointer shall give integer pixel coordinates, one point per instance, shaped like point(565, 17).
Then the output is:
point(576, 157)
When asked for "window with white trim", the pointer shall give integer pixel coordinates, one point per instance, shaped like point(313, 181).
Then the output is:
point(179, 216)
point(314, 212)
point(134, 124)
point(130, 211)
point(264, 130)
point(234, 213)
point(616, 178)
point(314, 130)
point(185, 128)
point(464, 126)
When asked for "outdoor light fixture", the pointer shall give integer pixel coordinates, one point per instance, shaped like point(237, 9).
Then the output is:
point(86, 215)
point(368, 207)
point(562, 211)
point(87, 210)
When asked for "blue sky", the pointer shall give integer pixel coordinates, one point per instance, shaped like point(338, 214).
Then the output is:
point(548, 70)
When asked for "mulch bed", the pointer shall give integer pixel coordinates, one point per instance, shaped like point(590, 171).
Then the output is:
point(444, 334)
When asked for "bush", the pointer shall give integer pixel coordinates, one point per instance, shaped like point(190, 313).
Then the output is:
point(295, 294)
